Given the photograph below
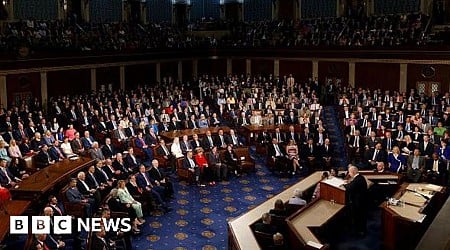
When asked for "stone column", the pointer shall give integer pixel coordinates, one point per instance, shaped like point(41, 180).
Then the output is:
point(3, 92)
point(248, 66)
point(158, 72)
point(94, 79)
point(315, 69)
point(276, 67)
point(403, 77)
point(122, 77)
point(229, 66)
point(351, 74)
point(44, 90)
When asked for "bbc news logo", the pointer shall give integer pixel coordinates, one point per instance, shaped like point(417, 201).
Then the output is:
point(64, 224)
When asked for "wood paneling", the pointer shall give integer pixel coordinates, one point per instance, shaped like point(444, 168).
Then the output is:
point(23, 86)
point(212, 66)
point(377, 76)
point(106, 76)
point(238, 66)
point(169, 69)
point(441, 74)
point(139, 75)
point(338, 70)
point(301, 70)
point(68, 82)
point(262, 67)
point(187, 70)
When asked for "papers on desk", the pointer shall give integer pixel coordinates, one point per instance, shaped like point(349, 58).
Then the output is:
point(433, 187)
point(420, 220)
point(335, 182)
point(314, 244)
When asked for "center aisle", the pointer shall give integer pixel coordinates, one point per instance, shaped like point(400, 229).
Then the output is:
point(200, 214)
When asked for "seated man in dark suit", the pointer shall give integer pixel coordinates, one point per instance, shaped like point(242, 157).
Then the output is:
point(86, 190)
point(131, 160)
point(74, 196)
point(160, 179)
point(108, 149)
point(140, 143)
point(426, 147)
point(164, 151)
point(375, 155)
point(43, 158)
point(416, 166)
point(278, 155)
point(436, 170)
point(264, 226)
point(57, 209)
point(189, 164)
point(145, 182)
point(7, 179)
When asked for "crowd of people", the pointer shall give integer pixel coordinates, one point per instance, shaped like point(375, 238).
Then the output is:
point(398, 132)
point(121, 131)
point(373, 31)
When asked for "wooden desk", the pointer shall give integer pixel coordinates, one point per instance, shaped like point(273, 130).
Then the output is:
point(47, 178)
point(13, 207)
point(316, 215)
point(168, 136)
point(403, 226)
point(240, 235)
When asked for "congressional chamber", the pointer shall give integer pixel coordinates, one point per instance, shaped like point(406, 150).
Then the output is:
point(225, 124)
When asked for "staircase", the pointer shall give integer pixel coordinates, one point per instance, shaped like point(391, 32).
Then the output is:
point(333, 127)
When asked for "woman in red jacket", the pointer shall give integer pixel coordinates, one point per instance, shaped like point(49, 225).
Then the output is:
point(205, 170)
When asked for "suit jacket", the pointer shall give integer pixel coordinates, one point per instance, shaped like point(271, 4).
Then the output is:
point(282, 138)
point(83, 190)
point(86, 143)
point(74, 195)
point(90, 181)
point(356, 192)
point(272, 151)
point(196, 143)
point(140, 180)
point(441, 166)
point(185, 146)
point(384, 143)
point(187, 164)
point(156, 174)
point(206, 144)
point(306, 151)
point(421, 161)
point(43, 159)
point(108, 152)
point(324, 152)
point(99, 243)
point(130, 163)
point(4, 179)
point(428, 150)
point(160, 151)
point(76, 146)
point(214, 159)
point(97, 154)
point(380, 157)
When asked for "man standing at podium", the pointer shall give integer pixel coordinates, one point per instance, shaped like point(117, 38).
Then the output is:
point(355, 198)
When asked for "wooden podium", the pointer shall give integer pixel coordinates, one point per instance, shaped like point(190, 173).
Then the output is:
point(330, 192)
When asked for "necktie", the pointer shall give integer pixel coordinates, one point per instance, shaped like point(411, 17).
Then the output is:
point(57, 209)
point(310, 149)
point(389, 144)
point(374, 155)
point(95, 180)
point(146, 179)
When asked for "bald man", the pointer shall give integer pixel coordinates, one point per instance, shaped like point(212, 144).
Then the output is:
point(356, 193)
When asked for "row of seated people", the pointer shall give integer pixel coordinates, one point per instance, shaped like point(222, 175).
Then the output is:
point(91, 187)
point(103, 239)
point(271, 231)
point(396, 124)
point(298, 152)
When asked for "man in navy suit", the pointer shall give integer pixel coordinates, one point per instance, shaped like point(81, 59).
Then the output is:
point(140, 143)
point(145, 182)
point(7, 179)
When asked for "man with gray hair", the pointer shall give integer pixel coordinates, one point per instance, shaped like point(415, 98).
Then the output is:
point(297, 198)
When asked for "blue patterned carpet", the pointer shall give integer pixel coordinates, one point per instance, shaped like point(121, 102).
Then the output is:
point(200, 214)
